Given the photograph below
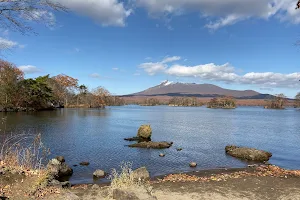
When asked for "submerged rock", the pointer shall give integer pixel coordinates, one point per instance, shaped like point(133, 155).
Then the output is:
point(145, 132)
point(140, 174)
point(84, 163)
point(250, 154)
point(152, 145)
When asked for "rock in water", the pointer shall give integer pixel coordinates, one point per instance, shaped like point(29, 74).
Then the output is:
point(152, 145)
point(250, 154)
point(140, 174)
point(162, 155)
point(193, 164)
point(61, 159)
point(145, 132)
point(99, 173)
point(59, 169)
point(84, 163)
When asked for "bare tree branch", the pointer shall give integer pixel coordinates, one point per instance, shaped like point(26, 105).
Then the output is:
point(17, 14)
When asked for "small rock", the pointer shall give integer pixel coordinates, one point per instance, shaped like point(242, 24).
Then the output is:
point(141, 174)
point(179, 149)
point(162, 155)
point(119, 194)
point(95, 187)
point(84, 163)
point(75, 165)
point(193, 164)
point(99, 173)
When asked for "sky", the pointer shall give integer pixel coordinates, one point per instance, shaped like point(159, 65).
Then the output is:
point(129, 46)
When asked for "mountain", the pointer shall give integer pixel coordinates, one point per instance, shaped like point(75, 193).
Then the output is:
point(167, 88)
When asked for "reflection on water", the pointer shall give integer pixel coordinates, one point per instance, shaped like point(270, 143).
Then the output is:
point(97, 136)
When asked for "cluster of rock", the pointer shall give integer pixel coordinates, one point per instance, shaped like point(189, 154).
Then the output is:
point(57, 171)
point(143, 139)
point(250, 154)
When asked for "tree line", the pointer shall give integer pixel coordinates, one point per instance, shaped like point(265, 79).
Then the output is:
point(45, 92)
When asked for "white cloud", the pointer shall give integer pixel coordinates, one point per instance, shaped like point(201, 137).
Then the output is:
point(5, 33)
point(225, 12)
point(105, 12)
point(153, 68)
point(115, 69)
point(225, 73)
point(170, 59)
point(95, 75)
point(29, 69)
point(7, 44)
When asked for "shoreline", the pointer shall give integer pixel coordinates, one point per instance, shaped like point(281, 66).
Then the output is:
point(252, 182)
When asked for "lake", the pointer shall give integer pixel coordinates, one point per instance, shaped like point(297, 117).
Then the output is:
point(97, 136)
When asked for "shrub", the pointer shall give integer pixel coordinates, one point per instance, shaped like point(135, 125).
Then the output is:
point(23, 151)
point(278, 102)
point(224, 102)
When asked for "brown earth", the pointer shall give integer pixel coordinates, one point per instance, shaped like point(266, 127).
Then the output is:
point(263, 182)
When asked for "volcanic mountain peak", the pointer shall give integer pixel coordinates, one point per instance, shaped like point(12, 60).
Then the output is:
point(169, 88)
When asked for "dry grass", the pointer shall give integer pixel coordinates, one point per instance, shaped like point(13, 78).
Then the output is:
point(125, 180)
point(23, 151)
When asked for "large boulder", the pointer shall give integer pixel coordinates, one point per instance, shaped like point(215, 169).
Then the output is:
point(145, 132)
point(59, 169)
point(250, 154)
point(140, 174)
point(152, 145)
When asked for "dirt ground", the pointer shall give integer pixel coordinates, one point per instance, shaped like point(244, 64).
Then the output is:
point(246, 184)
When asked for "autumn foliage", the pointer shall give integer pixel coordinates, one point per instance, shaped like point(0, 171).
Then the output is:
point(278, 102)
point(222, 102)
point(45, 92)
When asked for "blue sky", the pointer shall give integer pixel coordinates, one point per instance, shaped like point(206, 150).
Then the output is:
point(130, 46)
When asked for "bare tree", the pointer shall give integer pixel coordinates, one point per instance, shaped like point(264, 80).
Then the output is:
point(298, 4)
point(16, 14)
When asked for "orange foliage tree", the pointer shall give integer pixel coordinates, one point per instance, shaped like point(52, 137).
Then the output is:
point(10, 76)
point(100, 96)
point(64, 86)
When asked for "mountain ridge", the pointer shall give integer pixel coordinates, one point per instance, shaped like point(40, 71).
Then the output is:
point(168, 88)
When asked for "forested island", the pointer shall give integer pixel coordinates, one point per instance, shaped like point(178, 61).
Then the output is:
point(44, 92)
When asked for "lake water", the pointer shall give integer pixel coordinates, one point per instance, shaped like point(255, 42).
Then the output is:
point(97, 136)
